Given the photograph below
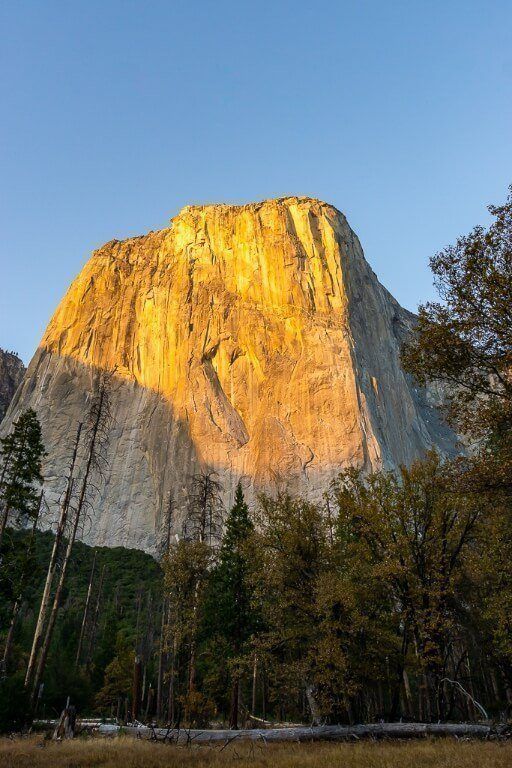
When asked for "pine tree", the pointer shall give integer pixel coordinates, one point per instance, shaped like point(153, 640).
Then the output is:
point(22, 452)
point(232, 592)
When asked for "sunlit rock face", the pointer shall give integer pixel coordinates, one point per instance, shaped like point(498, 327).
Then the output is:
point(255, 340)
point(11, 375)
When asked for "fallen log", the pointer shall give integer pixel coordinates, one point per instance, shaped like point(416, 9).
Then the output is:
point(302, 733)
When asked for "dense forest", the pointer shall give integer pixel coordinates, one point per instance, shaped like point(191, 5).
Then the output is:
point(390, 599)
point(123, 606)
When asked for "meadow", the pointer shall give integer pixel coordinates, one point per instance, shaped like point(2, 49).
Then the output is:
point(35, 752)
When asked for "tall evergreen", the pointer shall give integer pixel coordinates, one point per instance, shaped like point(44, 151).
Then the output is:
point(21, 454)
point(232, 591)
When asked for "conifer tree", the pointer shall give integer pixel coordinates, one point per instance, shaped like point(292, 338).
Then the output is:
point(232, 591)
point(22, 453)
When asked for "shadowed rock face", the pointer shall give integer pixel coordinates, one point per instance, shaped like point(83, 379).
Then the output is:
point(12, 371)
point(252, 339)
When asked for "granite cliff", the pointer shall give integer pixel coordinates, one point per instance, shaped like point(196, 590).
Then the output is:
point(12, 371)
point(254, 339)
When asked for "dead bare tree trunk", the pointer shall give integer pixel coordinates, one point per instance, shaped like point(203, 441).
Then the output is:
point(164, 622)
point(254, 684)
point(52, 565)
point(171, 705)
point(65, 728)
point(235, 695)
point(99, 410)
point(86, 613)
point(206, 516)
point(161, 655)
point(408, 695)
point(136, 688)
point(264, 695)
point(313, 706)
point(96, 614)
point(192, 668)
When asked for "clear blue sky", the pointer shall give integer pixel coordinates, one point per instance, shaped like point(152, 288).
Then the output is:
point(115, 114)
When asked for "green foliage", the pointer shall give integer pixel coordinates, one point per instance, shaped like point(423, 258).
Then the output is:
point(231, 614)
point(186, 574)
point(131, 576)
point(415, 533)
point(198, 709)
point(13, 703)
point(465, 340)
point(392, 598)
point(118, 679)
point(21, 454)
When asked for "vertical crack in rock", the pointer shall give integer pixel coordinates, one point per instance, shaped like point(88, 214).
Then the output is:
point(254, 339)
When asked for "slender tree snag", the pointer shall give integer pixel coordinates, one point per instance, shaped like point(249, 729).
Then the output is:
point(168, 526)
point(254, 684)
point(96, 615)
point(171, 703)
point(99, 414)
point(137, 630)
point(52, 565)
point(206, 518)
point(136, 691)
point(86, 613)
point(408, 695)
point(264, 695)
point(161, 655)
point(315, 713)
point(235, 696)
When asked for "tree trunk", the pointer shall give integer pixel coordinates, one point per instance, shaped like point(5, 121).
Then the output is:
point(264, 696)
point(3, 523)
point(254, 684)
point(161, 655)
point(91, 456)
point(136, 688)
point(52, 566)
point(66, 726)
point(86, 613)
point(313, 706)
point(171, 707)
point(45, 646)
point(307, 734)
point(408, 695)
point(96, 614)
point(192, 667)
point(235, 689)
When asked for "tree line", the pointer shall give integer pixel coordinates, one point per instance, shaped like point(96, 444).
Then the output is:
point(391, 598)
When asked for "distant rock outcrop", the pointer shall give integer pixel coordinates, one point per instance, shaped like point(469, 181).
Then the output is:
point(12, 371)
point(254, 339)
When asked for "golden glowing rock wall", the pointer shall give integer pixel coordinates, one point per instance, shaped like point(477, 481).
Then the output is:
point(253, 339)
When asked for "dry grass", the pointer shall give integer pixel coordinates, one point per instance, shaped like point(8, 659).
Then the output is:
point(126, 752)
